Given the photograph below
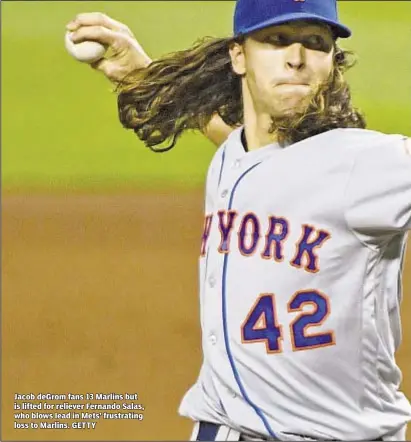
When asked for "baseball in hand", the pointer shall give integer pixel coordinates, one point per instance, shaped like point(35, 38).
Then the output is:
point(86, 51)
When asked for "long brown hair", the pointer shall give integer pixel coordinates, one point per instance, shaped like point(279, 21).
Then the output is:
point(184, 90)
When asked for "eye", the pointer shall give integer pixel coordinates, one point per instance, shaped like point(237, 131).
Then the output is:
point(315, 40)
point(317, 43)
point(278, 40)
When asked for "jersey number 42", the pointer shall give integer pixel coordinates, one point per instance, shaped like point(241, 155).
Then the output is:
point(261, 324)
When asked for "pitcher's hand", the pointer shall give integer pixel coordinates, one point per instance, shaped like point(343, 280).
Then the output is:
point(124, 54)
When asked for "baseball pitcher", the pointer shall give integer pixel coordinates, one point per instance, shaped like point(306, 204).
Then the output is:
point(305, 223)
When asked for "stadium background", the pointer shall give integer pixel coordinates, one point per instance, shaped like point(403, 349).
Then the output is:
point(101, 236)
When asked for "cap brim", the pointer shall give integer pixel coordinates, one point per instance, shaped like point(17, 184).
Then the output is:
point(340, 30)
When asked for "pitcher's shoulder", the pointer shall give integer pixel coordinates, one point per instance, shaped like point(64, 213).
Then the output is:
point(353, 138)
point(232, 144)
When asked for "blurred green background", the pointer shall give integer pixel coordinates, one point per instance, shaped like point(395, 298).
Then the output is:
point(59, 118)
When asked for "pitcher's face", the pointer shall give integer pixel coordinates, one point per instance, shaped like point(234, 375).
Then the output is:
point(283, 65)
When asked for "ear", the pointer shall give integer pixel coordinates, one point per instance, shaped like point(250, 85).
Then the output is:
point(237, 58)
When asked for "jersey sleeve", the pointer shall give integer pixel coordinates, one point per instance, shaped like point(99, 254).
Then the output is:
point(378, 193)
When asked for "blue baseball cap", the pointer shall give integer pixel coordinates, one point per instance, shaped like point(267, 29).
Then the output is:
point(253, 15)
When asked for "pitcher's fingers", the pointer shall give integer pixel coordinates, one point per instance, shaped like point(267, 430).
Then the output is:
point(102, 65)
point(98, 19)
point(95, 33)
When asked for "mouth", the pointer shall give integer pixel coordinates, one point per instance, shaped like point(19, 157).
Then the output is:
point(293, 83)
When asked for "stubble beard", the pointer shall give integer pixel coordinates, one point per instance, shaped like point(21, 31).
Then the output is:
point(292, 118)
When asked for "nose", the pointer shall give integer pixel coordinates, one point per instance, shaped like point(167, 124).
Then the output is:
point(295, 57)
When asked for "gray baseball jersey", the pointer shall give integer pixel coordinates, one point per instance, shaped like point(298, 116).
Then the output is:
point(300, 287)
